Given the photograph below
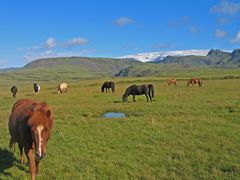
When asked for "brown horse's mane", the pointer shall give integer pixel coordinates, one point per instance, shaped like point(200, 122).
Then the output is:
point(42, 115)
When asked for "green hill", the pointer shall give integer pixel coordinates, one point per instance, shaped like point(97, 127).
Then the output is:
point(96, 66)
point(65, 69)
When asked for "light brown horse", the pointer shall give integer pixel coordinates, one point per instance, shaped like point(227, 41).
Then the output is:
point(30, 125)
point(62, 88)
point(172, 81)
point(195, 81)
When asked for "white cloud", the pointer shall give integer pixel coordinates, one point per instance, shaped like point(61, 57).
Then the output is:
point(50, 43)
point(220, 33)
point(236, 39)
point(122, 21)
point(33, 55)
point(75, 42)
point(226, 7)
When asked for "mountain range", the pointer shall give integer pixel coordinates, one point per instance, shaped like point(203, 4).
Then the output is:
point(213, 57)
point(87, 67)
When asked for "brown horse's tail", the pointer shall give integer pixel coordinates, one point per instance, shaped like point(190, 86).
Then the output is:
point(151, 90)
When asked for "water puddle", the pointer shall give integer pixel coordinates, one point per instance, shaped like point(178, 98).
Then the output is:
point(114, 115)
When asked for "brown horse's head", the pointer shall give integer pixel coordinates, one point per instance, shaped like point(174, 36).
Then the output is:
point(40, 122)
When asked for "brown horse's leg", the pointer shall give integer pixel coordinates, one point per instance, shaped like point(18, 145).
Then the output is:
point(21, 153)
point(37, 166)
point(31, 161)
point(199, 83)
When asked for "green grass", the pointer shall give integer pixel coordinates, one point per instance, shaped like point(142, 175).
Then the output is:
point(185, 133)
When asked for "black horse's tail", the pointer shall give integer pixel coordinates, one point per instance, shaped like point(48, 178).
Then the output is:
point(151, 90)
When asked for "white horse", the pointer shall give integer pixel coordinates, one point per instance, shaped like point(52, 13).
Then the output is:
point(62, 88)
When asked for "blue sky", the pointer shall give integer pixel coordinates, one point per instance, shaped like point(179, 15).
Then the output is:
point(32, 29)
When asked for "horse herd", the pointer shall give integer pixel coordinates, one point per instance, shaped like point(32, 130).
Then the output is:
point(30, 122)
point(62, 88)
point(191, 82)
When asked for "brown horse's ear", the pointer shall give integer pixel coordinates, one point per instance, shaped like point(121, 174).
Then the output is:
point(48, 113)
point(30, 112)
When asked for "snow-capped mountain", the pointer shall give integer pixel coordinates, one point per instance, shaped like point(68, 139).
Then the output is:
point(158, 56)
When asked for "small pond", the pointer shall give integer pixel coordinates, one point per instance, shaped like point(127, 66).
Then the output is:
point(114, 115)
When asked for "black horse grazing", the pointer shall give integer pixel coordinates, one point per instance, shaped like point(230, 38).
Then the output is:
point(133, 90)
point(108, 85)
point(36, 87)
point(14, 91)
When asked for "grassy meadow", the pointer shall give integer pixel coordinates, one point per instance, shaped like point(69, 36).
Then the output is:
point(185, 133)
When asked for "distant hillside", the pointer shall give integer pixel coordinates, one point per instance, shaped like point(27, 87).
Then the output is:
point(104, 66)
point(66, 69)
point(213, 58)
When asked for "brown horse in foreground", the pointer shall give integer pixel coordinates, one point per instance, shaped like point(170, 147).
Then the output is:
point(195, 81)
point(30, 125)
point(172, 81)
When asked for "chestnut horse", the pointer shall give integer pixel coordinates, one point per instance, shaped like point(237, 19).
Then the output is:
point(172, 81)
point(195, 81)
point(30, 125)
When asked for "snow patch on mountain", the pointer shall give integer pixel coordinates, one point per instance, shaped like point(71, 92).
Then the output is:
point(158, 56)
